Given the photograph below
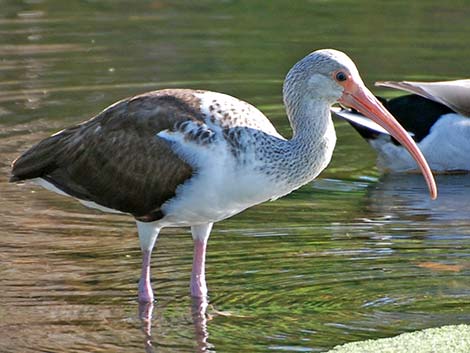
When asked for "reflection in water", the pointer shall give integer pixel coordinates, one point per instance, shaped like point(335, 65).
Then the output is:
point(199, 315)
point(403, 196)
point(199, 318)
point(145, 315)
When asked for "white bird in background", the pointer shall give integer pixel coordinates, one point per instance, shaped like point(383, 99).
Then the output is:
point(436, 115)
point(181, 157)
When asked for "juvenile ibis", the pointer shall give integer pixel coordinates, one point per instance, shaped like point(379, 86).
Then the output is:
point(182, 157)
point(436, 115)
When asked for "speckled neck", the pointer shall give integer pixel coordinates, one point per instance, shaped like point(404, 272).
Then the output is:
point(310, 119)
point(299, 160)
point(313, 138)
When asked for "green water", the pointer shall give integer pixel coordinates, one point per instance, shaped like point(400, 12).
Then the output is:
point(351, 256)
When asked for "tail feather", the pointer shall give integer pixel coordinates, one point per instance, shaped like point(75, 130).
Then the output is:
point(36, 162)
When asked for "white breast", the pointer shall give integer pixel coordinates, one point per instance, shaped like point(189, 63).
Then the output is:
point(221, 187)
point(226, 181)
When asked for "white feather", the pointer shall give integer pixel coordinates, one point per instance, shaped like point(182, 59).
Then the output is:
point(359, 119)
point(222, 185)
point(90, 204)
point(220, 188)
point(229, 111)
point(446, 147)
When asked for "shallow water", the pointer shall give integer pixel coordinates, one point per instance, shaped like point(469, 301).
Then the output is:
point(351, 256)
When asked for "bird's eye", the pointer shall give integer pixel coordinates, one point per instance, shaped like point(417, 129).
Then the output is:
point(341, 76)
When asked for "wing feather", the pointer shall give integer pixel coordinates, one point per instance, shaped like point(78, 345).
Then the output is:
point(116, 159)
point(454, 94)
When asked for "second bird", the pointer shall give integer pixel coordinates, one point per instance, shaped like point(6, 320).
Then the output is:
point(437, 117)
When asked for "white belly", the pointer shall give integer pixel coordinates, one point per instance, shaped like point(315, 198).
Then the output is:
point(216, 194)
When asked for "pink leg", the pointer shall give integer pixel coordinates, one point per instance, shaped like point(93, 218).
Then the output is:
point(148, 233)
point(145, 289)
point(198, 275)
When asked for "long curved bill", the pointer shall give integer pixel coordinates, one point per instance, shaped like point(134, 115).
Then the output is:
point(357, 96)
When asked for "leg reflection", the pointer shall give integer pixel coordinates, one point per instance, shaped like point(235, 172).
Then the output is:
point(145, 316)
point(199, 318)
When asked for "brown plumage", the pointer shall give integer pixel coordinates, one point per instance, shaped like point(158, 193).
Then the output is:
point(77, 160)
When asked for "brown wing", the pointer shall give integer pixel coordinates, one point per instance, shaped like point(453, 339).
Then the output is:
point(454, 94)
point(116, 159)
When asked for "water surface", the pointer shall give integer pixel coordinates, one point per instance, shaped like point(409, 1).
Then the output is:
point(351, 256)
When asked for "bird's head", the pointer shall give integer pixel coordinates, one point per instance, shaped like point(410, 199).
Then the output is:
point(331, 76)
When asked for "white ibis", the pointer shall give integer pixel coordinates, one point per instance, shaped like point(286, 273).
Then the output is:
point(180, 157)
point(437, 116)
